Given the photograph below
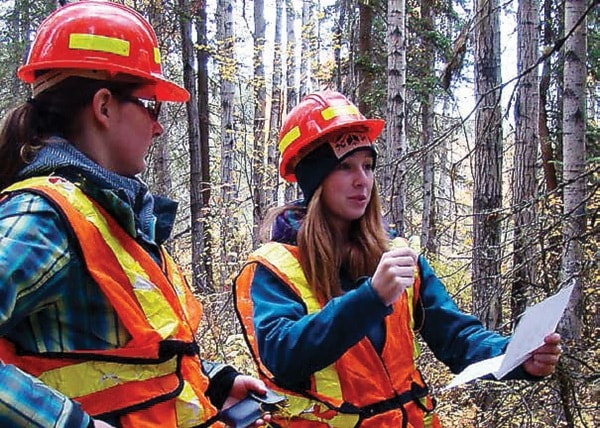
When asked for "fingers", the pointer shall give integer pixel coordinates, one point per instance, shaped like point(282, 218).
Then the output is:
point(543, 360)
point(553, 338)
point(542, 364)
point(395, 272)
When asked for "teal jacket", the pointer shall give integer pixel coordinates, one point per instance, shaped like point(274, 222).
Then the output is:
point(293, 345)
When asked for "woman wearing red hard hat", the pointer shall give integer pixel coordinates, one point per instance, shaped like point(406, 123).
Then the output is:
point(331, 305)
point(97, 324)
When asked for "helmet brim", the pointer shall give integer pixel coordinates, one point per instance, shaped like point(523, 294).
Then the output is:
point(165, 89)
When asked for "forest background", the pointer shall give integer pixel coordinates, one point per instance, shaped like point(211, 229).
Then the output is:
point(494, 169)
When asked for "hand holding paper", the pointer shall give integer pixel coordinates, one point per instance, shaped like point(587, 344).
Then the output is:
point(537, 322)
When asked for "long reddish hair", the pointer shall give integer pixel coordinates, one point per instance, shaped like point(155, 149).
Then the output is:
point(322, 256)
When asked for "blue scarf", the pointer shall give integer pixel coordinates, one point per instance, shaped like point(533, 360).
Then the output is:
point(128, 199)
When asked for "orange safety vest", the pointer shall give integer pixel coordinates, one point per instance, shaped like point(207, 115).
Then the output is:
point(156, 379)
point(361, 388)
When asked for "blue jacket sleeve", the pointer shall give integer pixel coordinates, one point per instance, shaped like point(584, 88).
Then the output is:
point(293, 344)
point(457, 339)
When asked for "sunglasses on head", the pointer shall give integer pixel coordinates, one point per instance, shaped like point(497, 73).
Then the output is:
point(151, 106)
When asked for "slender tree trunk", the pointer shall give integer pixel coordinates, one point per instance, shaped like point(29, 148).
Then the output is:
point(487, 192)
point(195, 151)
point(229, 189)
point(204, 127)
point(338, 37)
point(365, 55)
point(227, 73)
point(574, 195)
point(574, 151)
point(161, 173)
point(547, 152)
point(525, 157)
point(291, 97)
point(276, 108)
point(259, 153)
point(427, 235)
point(395, 164)
point(308, 40)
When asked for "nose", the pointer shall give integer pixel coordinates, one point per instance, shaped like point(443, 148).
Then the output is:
point(157, 129)
point(361, 177)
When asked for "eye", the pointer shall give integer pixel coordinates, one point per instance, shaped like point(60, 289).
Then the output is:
point(344, 166)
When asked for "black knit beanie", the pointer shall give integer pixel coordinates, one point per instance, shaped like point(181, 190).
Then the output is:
point(312, 169)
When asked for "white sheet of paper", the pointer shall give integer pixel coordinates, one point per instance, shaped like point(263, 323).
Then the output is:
point(475, 371)
point(537, 322)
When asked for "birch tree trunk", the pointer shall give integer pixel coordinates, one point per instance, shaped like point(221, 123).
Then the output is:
point(547, 153)
point(487, 186)
point(574, 151)
point(259, 154)
point(574, 195)
point(524, 184)
point(276, 108)
point(291, 70)
point(395, 164)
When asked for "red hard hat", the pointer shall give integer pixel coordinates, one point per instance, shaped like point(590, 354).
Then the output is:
point(100, 35)
point(315, 116)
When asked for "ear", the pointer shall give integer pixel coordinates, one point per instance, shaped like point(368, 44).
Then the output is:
point(102, 106)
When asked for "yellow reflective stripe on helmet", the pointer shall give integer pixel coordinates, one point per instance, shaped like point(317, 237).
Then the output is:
point(158, 312)
point(335, 111)
point(93, 376)
point(92, 42)
point(291, 136)
point(157, 58)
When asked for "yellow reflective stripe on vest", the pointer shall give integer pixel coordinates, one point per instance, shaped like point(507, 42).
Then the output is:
point(327, 381)
point(93, 376)
point(177, 283)
point(188, 407)
point(156, 308)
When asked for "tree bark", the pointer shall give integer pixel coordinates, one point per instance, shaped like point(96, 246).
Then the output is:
point(427, 100)
point(547, 152)
point(395, 163)
point(524, 184)
point(574, 153)
point(259, 153)
point(364, 57)
point(195, 151)
point(291, 97)
point(487, 191)
point(229, 190)
point(276, 108)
